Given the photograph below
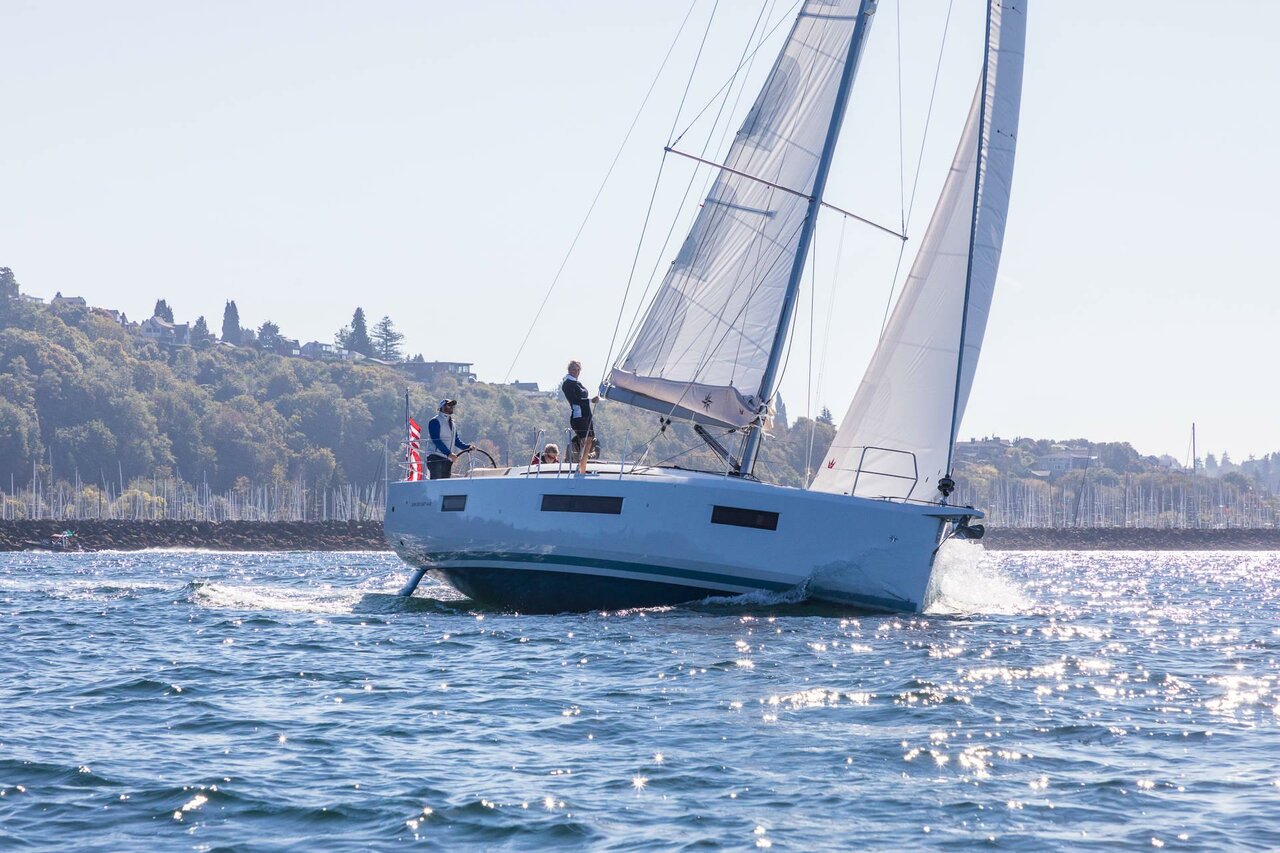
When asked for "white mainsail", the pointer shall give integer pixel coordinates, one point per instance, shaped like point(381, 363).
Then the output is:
point(703, 346)
point(895, 441)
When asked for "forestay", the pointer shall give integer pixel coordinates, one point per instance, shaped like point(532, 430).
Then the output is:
point(702, 348)
point(895, 441)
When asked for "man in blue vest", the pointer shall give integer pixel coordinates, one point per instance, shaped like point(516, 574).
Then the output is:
point(443, 442)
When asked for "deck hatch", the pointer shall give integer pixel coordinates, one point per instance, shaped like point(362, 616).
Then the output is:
point(599, 504)
point(760, 519)
point(453, 503)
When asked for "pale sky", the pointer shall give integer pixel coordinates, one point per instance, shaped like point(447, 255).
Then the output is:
point(433, 162)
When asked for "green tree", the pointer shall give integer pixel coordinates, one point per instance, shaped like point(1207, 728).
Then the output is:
point(200, 337)
point(269, 336)
point(386, 340)
point(356, 336)
point(163, 311)
point(8, 284)
point(231, 324)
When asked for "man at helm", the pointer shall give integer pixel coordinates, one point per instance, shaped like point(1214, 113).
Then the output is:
point(443, 442)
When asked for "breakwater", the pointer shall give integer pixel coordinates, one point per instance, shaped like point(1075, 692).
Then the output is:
point(221, 536)
point(367, 536)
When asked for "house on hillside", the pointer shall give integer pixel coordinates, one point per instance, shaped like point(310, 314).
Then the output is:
point(982, 449)
point(1060, 462)
point(111, 314)
point(425, 371)
point(59, 299)
point(31, 300)
point(165, 333)
point(531, 387)
point(325, 352)
point(286, 346)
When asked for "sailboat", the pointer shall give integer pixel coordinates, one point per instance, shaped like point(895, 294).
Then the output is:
point(867, 530)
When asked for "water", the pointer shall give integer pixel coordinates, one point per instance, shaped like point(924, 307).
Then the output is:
point(197, 701)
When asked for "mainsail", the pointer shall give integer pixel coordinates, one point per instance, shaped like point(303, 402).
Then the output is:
point(896, 439)
point(703, 347)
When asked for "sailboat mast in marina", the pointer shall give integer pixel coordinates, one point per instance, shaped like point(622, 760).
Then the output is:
point(868, 529)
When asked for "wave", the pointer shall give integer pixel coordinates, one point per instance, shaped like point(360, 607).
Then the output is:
point(374, 595)
point(966, 580)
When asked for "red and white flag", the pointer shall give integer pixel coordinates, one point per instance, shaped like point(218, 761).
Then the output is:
point(415, 459)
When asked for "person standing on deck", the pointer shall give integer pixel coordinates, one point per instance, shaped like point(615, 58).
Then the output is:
point(580, 401)
point(443, 442)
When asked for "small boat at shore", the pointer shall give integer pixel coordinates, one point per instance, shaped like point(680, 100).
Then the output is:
point(867, 529)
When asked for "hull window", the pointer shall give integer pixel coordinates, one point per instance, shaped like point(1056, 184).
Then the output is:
point(582, 503)
point(739, 517)
point(453, 503)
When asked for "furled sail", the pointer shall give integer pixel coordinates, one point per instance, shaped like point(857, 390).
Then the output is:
point(896, 439)
point(702, 348)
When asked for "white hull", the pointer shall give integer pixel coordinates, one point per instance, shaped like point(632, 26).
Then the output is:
point(552, 540)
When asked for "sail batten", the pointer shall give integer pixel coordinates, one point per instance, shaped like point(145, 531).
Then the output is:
point(908, 407)
point(737, 261)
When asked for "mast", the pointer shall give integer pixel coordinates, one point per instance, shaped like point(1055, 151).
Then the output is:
point(768, 382)
point(973, 236)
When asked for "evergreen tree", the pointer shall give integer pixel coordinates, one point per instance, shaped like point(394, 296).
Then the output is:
point(386, 340)
point(356, 338)
point(231, 324)
point(825, 417)
point(8, 284)
point(200, 332)
point(163, 311)
point(269, 336)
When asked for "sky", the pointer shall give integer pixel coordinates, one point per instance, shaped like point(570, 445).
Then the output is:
point(433, 162)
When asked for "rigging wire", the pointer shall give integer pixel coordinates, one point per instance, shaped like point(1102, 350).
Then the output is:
point(711, 348)
point(591, 209)
point(749, 55)
point(648, 215)
point(748, 58)
point(915, 184)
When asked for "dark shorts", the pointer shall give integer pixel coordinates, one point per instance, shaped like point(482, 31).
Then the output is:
point(439, 467)
point(582, 427)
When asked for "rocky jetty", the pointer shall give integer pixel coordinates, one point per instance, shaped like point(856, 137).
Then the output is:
point(220, 536)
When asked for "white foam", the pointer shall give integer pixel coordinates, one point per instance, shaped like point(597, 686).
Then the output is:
point(967, 580)
point(761, 597)
point(319, 599)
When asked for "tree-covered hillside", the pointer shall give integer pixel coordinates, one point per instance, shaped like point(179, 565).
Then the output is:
point(86, 399)
point(96, 417)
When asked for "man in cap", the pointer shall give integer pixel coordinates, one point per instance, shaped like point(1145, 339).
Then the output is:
point(443, 442)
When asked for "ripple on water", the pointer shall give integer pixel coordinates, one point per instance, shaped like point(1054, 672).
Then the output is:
point(1046, 700)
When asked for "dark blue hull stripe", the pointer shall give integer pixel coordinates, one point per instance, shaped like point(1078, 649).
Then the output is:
point(551, 561)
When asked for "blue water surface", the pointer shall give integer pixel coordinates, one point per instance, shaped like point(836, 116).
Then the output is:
point(203, 701)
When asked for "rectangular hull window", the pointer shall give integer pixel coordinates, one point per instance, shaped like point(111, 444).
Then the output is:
point(582, 503)
point(453, 503)
point(739, 517)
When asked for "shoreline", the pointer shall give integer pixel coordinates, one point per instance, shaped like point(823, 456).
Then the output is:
point(102, 535)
